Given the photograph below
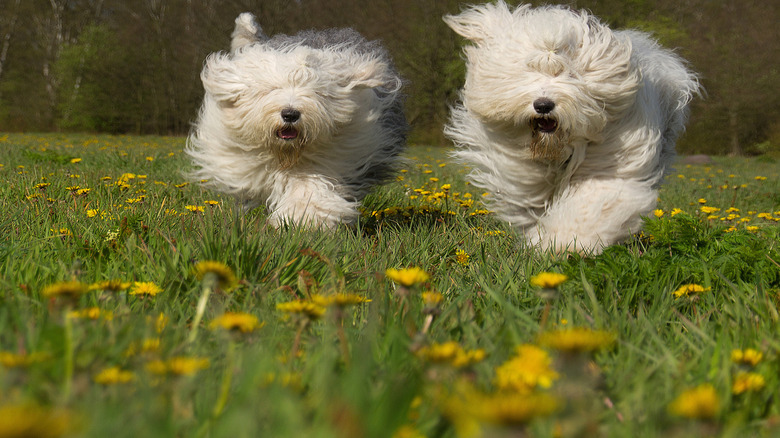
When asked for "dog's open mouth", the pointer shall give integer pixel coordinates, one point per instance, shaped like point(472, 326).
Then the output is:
point(287, 133)
point(547, 125)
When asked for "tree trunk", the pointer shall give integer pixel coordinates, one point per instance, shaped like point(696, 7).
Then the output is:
point(7, 37)
point(736, 148)
point(74, 95)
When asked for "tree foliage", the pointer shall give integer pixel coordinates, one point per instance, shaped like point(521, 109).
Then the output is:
point(133, 66)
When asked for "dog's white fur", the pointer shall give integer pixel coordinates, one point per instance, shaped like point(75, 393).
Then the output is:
point(306, 124)
point(581, 176)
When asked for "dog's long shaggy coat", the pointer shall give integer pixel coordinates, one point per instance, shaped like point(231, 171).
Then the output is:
point(306, 124)
point(570, 126)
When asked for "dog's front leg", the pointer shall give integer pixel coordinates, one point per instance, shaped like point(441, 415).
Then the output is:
point(592, 214)
point(310, 201)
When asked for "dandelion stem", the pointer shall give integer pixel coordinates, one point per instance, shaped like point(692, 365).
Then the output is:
point(227, 379)
point(342, 336)
point(67, 383)
point(204, 299)
point(297, 341)
point(545, 315)
point(427, 325)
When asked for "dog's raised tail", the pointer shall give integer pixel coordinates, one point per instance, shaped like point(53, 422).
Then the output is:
point(247, 32)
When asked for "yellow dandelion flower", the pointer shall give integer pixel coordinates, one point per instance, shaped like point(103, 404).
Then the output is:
point(113, 375)
point(226, 279)
point(407, 277)
point(689, 289)
point(760, 178)
point(701, 402)
point(467, 408)
point(195, 208)
point(748, 356)
point(92, 313)
point(242, 322)
point(751, 228)
point(92, 213)
point(211, 202)
point(577, 339)
point(528, 369)
point(180, 366)
point(675, 211)
point(709, 210)
point(144, 288)
point(33, 421)
point(450, 353)
point(462, 257)
point(548, 280)
point(20, 360)
point(110, 285)
point(339, 299)
point(161, 322)
point(432, 298)
point(515, 408)
point(149, 158)
point(658, 213)
point(702, 201)
point(69, 289)
point(147, 345)
point(747, 382)
point(307, 308)
point(127, 177)
point(407, 431)
point(75, 160)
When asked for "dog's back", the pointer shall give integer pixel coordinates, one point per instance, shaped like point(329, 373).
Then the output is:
point(671, 81)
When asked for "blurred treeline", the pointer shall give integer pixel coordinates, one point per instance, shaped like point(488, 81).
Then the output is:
point(132, 66)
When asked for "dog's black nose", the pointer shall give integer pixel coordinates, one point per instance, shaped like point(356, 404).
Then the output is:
point(290, 115)
point(543, 105)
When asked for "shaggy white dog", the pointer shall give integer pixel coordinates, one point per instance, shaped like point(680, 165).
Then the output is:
point(568, 125)
point(305, 124)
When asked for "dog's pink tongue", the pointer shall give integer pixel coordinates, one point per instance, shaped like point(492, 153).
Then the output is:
point(287, 133)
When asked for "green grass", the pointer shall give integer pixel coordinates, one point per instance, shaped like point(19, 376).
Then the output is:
point(360, 371)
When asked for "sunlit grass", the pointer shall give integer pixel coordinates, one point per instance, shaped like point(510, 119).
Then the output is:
point(135, 303)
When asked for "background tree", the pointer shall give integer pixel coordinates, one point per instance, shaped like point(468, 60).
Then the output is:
point(133, 65)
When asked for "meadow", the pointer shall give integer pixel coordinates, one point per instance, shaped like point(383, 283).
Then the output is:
point(135, 303)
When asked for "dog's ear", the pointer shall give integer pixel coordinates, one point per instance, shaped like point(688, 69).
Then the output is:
point(247, 32)
point(221, 79)
point(477, 23)
point(366, 73)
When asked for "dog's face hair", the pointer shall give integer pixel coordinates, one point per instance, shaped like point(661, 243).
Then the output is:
point(290, 93)
point(551, 78)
